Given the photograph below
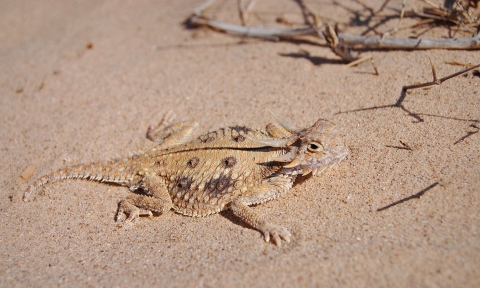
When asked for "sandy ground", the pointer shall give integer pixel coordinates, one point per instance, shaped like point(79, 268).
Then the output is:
point(82, 80)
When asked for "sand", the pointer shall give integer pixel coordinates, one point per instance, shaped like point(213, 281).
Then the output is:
point(82, 80)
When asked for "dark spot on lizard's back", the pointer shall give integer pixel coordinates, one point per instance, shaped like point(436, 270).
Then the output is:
point(223, 183)
point(237, 132)
point(241, 129)
point(238, 138)
point(193, 162)
point(184, 183)
point(229, 162)
point(217, 187)
point(209, 137)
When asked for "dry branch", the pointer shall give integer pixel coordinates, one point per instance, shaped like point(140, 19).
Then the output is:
point(348, 40)
point(363, 42)
point(266, 33)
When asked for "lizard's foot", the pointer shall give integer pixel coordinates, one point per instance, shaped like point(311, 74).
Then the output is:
point(142, 205)
point(154, 133)
point(168, 135)
point(240, 209)
point(276, 232)
point(132, 212)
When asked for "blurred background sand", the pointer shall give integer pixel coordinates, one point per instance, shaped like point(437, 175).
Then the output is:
point(82, 80)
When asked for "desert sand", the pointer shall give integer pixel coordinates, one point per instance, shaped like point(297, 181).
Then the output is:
point(82, 80)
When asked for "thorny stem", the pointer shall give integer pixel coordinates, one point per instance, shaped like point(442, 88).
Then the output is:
point(439, 81)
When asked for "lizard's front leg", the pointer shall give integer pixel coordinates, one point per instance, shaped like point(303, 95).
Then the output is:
point(247, 214)
point(157, 200)
point(270, 189)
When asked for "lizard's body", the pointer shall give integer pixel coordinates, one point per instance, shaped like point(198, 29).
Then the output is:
point(232, 168)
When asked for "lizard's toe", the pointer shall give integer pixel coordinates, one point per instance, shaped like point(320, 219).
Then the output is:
point(277, 233)
point(129, 209)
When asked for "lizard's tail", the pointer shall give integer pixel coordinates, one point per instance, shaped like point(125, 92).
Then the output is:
point(120, 171)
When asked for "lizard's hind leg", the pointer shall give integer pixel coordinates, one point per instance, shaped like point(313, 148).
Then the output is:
point(169, 134)
point(157, 200)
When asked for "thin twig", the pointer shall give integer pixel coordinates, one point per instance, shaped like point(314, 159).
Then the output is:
point(361, 60)
point(245, 10)
point(434, 72)
point(403, 147)
point(337, 47)
point(395, 29)
point(358, 61)
point(438, 81)
point(457, 63)
point(200, 9)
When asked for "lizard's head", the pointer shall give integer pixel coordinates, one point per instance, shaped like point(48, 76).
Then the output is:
point(315, 149)
point(309, 150)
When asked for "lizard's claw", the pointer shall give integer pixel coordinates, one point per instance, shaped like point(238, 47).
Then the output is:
point(132, 212)
point(277, 233)
point(129, 209)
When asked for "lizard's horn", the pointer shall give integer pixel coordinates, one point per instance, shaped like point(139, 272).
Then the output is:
point(294, 163)
point(280, 142)
point(287, 126)
point(284, 158)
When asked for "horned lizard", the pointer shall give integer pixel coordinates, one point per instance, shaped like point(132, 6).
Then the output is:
point(231, 168)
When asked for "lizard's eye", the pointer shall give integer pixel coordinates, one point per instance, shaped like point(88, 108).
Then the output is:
point(315, 147)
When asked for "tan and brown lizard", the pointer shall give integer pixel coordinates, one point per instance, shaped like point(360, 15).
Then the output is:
point(231, 168)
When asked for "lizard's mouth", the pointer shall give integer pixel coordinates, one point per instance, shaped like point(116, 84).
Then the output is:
point(329, 164)
point(304, 166)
